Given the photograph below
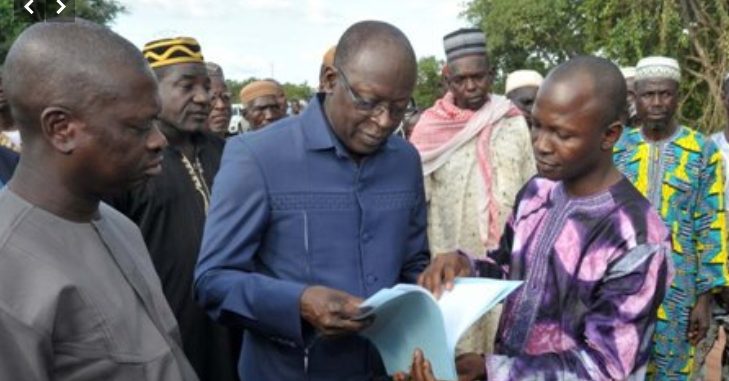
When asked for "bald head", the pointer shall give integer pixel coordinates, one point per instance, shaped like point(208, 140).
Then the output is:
point(70, 65)
point(597, 81)
point(365, 36)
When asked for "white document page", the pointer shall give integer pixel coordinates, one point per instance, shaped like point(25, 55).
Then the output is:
point(407, 317)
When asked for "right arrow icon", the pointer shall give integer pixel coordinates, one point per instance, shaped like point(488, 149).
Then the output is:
point(63, 6)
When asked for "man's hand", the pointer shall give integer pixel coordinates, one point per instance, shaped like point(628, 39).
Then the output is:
point(419, 371)
point(470, 367)
point(699, 319)
point(439, 275)
point(331, 311)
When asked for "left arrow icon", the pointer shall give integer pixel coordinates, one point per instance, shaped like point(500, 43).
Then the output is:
point(27, 7)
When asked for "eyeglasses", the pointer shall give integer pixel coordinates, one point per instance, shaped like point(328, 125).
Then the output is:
point(371, 107)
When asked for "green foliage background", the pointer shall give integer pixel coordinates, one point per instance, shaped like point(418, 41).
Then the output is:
point(100, 11)
point(539, 34)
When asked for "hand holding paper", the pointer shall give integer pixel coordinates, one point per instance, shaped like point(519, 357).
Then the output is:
point(441, 273)
point(331, 311)
point(409, 317)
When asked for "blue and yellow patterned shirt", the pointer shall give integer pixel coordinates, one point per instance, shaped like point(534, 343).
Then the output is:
point(683, 177)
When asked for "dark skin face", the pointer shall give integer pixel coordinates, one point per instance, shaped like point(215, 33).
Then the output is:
point(102, 147)
point(117, 145)
point(469, 79)
point(572, 142)
point(220, 106)
point(263, 111)
point(384, 77)
point(656, 103)
point(523, 98)
point(184, 90)
point(295, 107)
point(281, 99)
point(630, 83)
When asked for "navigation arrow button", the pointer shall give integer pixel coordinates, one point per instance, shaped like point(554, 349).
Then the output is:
point(63, 6)
point(27, 6)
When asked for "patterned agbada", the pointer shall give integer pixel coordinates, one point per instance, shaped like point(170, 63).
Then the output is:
point(594, 269)
point(683, 177)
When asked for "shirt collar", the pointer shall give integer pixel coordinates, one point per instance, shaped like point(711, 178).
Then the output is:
point(317, 131)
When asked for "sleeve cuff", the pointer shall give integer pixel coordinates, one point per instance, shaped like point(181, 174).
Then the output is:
point(471, 262)
point(283, 309)
point(498, 367)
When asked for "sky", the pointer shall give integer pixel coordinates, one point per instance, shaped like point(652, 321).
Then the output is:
point(283, 39)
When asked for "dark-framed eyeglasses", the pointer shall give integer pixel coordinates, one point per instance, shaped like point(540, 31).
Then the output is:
point(373, 108)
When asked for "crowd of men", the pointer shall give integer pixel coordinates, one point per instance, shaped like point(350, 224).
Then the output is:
point(140, 241)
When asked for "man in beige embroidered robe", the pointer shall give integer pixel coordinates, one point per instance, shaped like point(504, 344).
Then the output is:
point(477, 154)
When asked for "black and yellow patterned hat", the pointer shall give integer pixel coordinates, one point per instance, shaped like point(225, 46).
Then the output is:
point(171, 51)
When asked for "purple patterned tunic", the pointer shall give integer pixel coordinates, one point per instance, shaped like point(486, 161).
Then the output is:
point(595, 270)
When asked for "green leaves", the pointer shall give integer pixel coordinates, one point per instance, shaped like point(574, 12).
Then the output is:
point(428, 87)
point(100, 11)
point(539, 34)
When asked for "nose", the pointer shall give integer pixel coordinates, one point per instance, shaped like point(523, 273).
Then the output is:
point(218, 103)
point(269, 114)
point(655, 100)
point(201, 96)
point(540, 142)
point(470, 84)
point(156, 141)
point(383, 118)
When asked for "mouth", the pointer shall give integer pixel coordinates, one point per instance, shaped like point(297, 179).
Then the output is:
point(372, 140)
point(545, 166)
point(154, 168)
point(657, 116)
point(218, 118)
point(475, 100)
point(198, 115)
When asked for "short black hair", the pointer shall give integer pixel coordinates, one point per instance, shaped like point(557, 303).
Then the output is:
point(607, 80)
point(65, 64)
point(366, 33)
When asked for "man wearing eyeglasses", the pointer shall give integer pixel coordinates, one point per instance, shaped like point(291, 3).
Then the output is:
point(477, 154)
point(316, 212)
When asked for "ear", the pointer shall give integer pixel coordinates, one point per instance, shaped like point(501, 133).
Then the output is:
point(611, 135)
point(59, 128)
point(330, 77)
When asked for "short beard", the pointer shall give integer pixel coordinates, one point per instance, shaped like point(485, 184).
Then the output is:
point(656, 126)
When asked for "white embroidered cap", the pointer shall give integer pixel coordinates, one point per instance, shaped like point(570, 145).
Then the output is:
point(658, 68)
point(523, 78)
